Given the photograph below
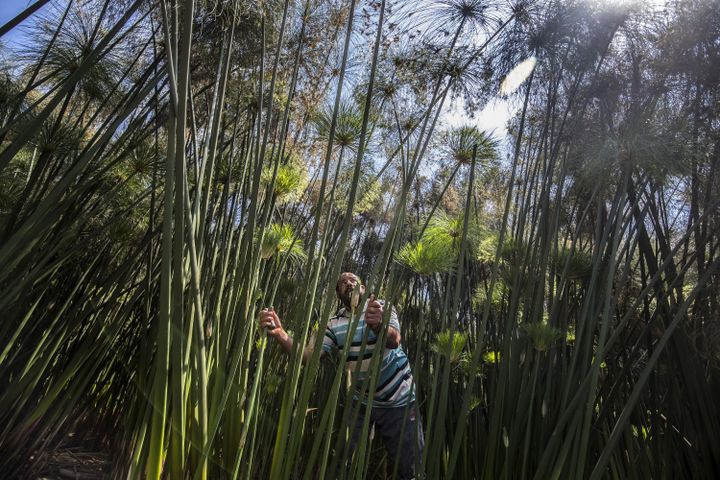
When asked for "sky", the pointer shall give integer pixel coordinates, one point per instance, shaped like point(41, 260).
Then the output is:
point(8, 10)
point(493, 118)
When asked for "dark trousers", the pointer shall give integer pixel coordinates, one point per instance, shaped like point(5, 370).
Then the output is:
point(406, 440)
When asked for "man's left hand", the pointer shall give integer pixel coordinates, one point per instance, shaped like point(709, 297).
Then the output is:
point(373, 314)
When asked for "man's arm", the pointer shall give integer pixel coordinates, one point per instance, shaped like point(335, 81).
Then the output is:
point(373, 319)
point(270, 321)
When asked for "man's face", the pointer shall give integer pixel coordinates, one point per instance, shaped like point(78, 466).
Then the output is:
point(346, 283)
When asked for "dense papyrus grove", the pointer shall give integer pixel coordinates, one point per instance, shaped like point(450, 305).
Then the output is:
point(170, 167)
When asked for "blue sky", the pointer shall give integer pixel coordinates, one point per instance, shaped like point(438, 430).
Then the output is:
point(8, 10)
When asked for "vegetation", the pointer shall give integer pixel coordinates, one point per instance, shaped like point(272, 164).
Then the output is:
point(170, 167)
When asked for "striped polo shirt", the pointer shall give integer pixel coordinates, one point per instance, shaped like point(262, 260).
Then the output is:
point(395, 385)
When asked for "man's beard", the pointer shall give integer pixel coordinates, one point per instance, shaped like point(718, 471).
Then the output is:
point(345, 297)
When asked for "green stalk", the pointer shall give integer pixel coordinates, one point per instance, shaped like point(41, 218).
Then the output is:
point(158, 405)
point(438, 434)
point(284, 419)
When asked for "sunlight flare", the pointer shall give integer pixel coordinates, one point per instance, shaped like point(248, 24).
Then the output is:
point(517, 76)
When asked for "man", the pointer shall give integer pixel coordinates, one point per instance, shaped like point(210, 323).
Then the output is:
point(394, 393)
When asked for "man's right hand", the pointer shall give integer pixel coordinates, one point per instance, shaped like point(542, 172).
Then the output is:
point(270, 321)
